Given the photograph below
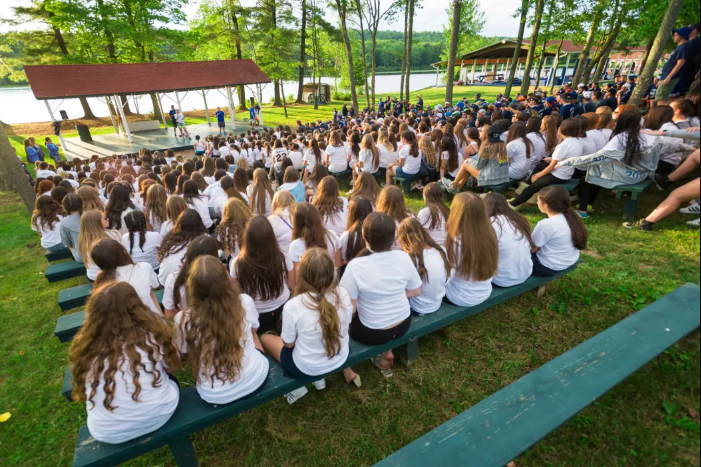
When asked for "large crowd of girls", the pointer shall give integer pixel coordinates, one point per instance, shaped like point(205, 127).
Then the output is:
point(258, 252)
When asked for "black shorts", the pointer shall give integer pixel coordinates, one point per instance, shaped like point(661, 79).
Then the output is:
point(175, 124)
point(368, 336)
point(288, 365)
point(221, 124)
point(270, 320)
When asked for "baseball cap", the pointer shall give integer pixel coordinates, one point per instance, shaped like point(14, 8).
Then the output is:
point(521, 99)
point(586, 94)
point(494, 133)
point(550, 100)
point(684, 32)
point(497, 104)
point(581, 85)
point(573, 95)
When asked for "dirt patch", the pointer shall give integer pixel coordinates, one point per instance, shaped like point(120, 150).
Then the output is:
point(593, 253)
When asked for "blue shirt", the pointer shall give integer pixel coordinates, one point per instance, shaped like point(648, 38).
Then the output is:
point(53, 150)
point(680, 53)
point(252, 113)
point(220, 115)
point(172, 114)
point(32, 155)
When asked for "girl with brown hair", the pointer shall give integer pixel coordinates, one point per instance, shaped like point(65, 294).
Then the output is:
point(264, 272)
point(198, 202)
point(336, 153)
point(473, 251)
point(451, 158)
point(388, 149)
point(351, 241)
point(281, 218)
point(368, 158)
point(218, 332)
point(118, 206)
point(314, 339)
point(187, 227)
point(235, 216)
point(430, 261)
point(308, 231)
point(519, 149)
point(366, 187)
point(391, 202)
point(93, 228)
point(514, 239)
point(198, 178)
point(312, 156)
point(331, 206)
point(409, 165)
point(435, 215)
point(380, 282)
point(175, 206)
point(292, 184)
point(549, 130)
point(46, 218)
point(155, 207)
point(312, 180)
point(120, 359)
point(174, 291)
point(141, 244)
point(116, 264)
point(606, 122)
point(558, 239)
point(260, 193)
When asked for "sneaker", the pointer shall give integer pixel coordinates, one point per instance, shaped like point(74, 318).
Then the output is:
point(448, 184)
point(521, 186)
point(515, 208)
point(383, 184)
point(692, 209)
point(296, 395)
point(387, 373)
point(319, 385)
point(583, 215)
point(418, 187)
point(661, 182)
point(639, 225)
point(696, 223)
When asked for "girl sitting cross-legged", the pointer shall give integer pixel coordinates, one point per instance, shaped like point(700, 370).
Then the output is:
point(120, 359)
point(218, 332)
point(314, 339)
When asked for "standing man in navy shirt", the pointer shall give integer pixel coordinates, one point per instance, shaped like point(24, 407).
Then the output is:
point(173, 120)
point(672, 74)
point(220, 120)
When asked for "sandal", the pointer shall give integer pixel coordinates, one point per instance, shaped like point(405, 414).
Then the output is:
point(386, 372)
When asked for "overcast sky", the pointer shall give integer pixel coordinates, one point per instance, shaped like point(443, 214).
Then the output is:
point(432, 17)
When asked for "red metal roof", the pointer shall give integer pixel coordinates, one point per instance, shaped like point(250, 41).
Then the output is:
point(569, 47)
point(61, 81)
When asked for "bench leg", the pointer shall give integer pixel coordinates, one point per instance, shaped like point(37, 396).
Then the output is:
point(541, 291)
point(631, 205)
point(406, 186)
point(184, 452)
point(409, 352)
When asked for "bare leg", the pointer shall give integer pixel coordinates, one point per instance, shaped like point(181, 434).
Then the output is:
point(390, 173)
point(691, 190)
point(387, 360)
point(689, 165)
point(464, 174)
point(273, 345)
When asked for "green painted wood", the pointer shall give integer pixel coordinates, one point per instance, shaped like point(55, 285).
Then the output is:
point(67, 386)
point(194, 415)
point(58, 255)
point(183, 451)
point(66, 270)
point(495, 188)
point(570, 185)
point(77, 296)
point(501, 427)
point(68, 326)
point(405, 184)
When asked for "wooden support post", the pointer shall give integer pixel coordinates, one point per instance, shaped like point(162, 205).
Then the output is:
point(232, 109)
point(541, 291)
point(125, 124)
point(474, 65)
point(206, 110)
point(60, 136)
point(409, 352)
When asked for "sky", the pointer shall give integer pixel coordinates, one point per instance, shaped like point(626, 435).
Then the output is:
point(432, 17)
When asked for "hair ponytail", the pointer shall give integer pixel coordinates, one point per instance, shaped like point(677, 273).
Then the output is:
point(558, 200)
point(330, 325)
point(580, 236)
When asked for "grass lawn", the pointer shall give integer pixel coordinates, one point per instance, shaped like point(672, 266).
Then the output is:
point(650, 419)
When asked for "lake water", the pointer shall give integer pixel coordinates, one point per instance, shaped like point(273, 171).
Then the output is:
point(18, 105)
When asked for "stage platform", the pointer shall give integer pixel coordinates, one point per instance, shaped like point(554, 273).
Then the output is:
point(107, 145)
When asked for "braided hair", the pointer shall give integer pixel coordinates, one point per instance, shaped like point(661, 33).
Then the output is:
point(136, 222)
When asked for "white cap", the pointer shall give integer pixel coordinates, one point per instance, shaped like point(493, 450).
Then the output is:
point(586, 94)
point(581, 85)
point(626, 85)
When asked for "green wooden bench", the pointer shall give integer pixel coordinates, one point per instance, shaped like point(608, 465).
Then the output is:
point(405, 185)
point(501, 427)
point(631, 203)
point(77, 296)
point(194, 415)
point(501, 188)
point(66, 270)
point(64, 253)
point(570, 185)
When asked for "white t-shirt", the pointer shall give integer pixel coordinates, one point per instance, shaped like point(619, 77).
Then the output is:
point(588, 146)
point(155, 224)
point(149, 253)
point(412, 164)
point(538, 150)
point(367, 158)
point(464, 292)
point(433, 288)
point(274, 304)
point(297, 159)
point(91, 268)
point(168, 301)
point(515, 264)
point(568, 148)
point(49, 237)
point(166, 227)
point(438, 233)
point(554, 237)
point(282, 226)
point(337, 223)
point(607, 132)
point(300, 324)
point(310, 159)
point(201, 206)
point(143, 279)
point(445, 156)
point(518, 162)
point(338, 161)
point(132, 419)
point(598, 138)
point(379, 282)
point(386, 156)
point(298, 246)
point(254, 203)
point(171, 263)
point(254, 365)
point(212, 192)
point(45, 173)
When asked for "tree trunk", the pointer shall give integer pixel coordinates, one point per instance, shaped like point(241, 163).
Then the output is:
point(541, 63)
point(517, 50)
point(362, 45)
point(373, 66)
point(410, 39)
point(658, 46)
point(526, 84)
point(454, 33)
point(584, 56)
point(58, 35)
point(239, 56)
point(406, 26)
point(618, 20)
point(157, 109)
point(302, 53)
point(342, 13)
point(284, 102)
point(555, 64)
point(648, 47)
point(12, 177)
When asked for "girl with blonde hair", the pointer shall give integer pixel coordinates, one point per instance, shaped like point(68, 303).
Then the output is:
point(93, 228)
point(175, 206)
point(235, 216)
point(155, 207)
point(368, 158)
point(281, 218)
point(331, 206)
point(91, 198)
point(260, 193)
point(314, 339)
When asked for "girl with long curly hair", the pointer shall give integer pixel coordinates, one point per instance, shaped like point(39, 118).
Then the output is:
point(174, 207)
point(331, 206)
point(93, 228)
point(46, 218)
point(308, 231)
point(314, 338)
point(174, 245)
point(235, 216)
point(141, 244)
point(260, 193)
point(264, 272)
point(120, 359)
point(281, 218)
point(118, 206)
point(218, 332)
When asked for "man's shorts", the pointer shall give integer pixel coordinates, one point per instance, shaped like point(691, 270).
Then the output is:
point(175, 124)
point(221, 124)
point(663, 91)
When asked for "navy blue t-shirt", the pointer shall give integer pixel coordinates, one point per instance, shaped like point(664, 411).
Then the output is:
point(680, 53)
point(172, 114)
point(220, 115)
